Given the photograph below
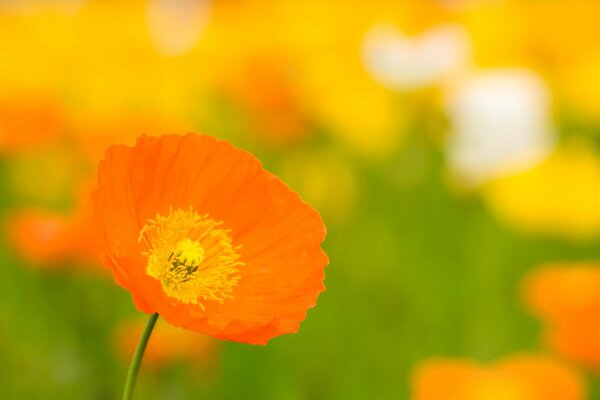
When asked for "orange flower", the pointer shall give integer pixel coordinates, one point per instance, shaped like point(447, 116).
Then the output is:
point(48, 239)
point(41, 237)
point(198, 232)
point(167, 344)
point(263, 87)
point(28, 119)
point(523, 377)
point(567, 299)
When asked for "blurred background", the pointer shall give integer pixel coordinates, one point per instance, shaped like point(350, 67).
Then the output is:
point(451, 146)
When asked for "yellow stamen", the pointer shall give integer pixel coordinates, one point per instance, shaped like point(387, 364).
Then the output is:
point(194, 260)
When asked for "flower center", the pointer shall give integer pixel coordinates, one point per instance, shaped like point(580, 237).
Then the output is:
point(194, 260)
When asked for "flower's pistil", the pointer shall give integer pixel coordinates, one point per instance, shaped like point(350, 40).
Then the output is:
point(194, 260)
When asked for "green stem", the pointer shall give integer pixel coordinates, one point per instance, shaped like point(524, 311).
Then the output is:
point(134, 367)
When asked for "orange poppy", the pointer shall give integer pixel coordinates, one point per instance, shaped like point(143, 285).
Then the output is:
point(41, 237)
point(521, 377)
point(28, 119)
point(264, 89)
point(200, 233)
point(48, 239)
point(567, 299)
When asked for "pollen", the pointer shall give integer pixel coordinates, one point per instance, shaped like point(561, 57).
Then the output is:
point(192, 257)
point(189, 253)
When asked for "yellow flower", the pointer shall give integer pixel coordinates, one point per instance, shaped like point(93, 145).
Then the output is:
point(325, 180)
point(561, 195)
point(97, 71)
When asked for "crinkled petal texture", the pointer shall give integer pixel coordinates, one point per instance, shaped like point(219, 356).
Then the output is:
point(278, 235)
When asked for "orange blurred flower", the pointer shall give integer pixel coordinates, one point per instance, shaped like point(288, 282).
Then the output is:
point(47, 238)
point(198, 232)
point(521, 377)
point(28, 119)
point(167, 345)
point(40, 236)
point(264, 88)
point(567, 299)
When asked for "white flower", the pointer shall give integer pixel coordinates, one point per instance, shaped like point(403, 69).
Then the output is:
point(500, 121)
point(401, 62)
point(175, 26)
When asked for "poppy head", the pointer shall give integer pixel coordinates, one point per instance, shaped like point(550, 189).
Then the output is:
point(200, 233)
